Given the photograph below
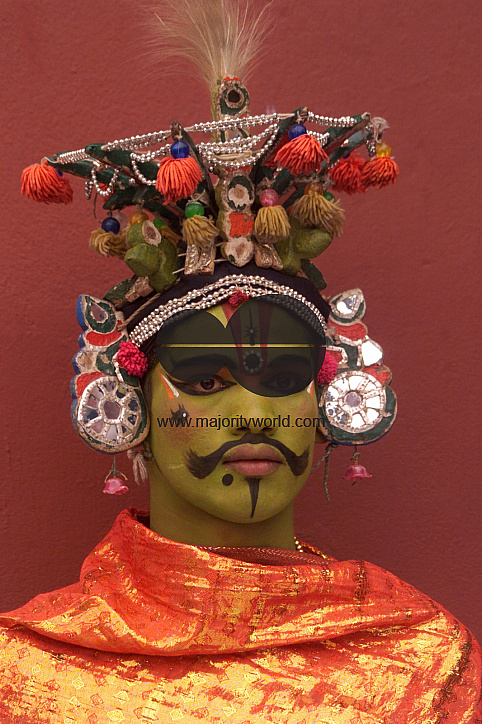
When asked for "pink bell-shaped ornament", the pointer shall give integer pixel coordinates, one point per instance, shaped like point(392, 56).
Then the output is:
point(115, 482)
point(356, 471)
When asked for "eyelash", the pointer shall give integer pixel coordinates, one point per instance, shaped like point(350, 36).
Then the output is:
point(189, 391)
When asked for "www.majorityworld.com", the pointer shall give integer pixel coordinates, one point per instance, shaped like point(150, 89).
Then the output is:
point(238, 421)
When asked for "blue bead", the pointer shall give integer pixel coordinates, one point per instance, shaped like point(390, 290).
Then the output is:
point(59, 172)
point(297, 129)
point(180, 149)
point(111, 225)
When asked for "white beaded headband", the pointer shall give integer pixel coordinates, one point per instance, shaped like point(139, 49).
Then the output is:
point(213, 294)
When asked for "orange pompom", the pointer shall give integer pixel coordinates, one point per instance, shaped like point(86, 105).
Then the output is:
point(379, 171)
point(346, 175)
point(302, 154)
point(41, 182)
point(178, 178)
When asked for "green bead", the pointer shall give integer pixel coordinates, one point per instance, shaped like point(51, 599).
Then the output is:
point(329, 196)
point(194, 208)
point(158, 223)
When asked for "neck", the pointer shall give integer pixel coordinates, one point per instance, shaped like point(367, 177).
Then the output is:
point(175, 518)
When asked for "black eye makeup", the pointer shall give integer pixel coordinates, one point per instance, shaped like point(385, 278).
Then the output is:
point(202, 387)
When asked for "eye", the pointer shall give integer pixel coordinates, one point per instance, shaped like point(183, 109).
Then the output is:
point(207, 386)
point(285, 383)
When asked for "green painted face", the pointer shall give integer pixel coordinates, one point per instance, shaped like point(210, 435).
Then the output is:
point(233, 453)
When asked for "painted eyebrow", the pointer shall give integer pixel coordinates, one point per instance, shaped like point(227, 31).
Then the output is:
point(206, 358)
point(283, 358)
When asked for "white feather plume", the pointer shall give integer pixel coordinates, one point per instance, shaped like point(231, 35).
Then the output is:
point(221, 37)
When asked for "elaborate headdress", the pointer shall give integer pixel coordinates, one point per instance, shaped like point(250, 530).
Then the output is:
point(193, 242)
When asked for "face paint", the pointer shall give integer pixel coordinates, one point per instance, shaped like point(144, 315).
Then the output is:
point(210, 468)
point(203, 465)
point(171, 390)
point(253, 491)
point(266, 348)
point(180, 415)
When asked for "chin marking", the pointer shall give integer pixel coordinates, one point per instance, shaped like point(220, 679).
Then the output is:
point(253, 491)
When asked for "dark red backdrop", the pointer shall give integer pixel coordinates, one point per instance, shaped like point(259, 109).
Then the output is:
point(76, 76)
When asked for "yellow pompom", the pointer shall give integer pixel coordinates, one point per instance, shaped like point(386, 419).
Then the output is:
point(107, 244)
point(314, 210)
point(199, 230)
point(272, 223)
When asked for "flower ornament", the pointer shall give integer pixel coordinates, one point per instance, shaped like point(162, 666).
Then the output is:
point(132, 359)
point(356, 471)
point(238, 298)
point(328, 370)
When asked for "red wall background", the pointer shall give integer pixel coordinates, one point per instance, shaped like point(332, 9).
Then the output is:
point(74, 76)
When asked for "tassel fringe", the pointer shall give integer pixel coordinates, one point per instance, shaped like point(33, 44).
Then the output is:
point(41, 182)
point(199, 231)
point(301, 155)
point(107, 244)
point(316, 211)
point(139, 467)
point(379, 171)
point(272, 223)
point(178, 178)
point(346, 175)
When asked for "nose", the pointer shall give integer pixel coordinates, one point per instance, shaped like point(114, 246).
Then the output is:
point(254, 414)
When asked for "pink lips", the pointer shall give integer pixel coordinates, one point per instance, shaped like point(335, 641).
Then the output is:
point(253, 460)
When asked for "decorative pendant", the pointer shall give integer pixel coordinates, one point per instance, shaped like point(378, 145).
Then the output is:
point(356, 471)
point(115, 482)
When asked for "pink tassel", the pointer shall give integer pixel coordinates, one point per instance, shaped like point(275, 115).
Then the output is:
point(132, 359)
point(328, 370)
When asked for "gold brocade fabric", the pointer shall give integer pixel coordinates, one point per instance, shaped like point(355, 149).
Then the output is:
point(159, 631)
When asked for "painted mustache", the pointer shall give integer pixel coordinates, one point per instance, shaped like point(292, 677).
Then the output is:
point(203, 465)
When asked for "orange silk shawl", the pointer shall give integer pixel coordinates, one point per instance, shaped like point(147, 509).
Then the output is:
point(159, 631)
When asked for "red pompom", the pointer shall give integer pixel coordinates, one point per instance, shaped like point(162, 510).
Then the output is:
point(302, 154)
point(346, 175)
point(238, 298)
point(379, 171)
point(132, 359)
point(178, 178)
point(328, 370)
point(41, 182)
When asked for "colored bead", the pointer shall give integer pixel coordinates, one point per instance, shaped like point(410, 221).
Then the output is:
point(297, 129)
point(180, 149)
point(111, 225)
point(137, 217)
point(269, 197)
point(60, 173)
point(383, 149)
point(158, 223)
point(194, 208)
point(329, 196)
